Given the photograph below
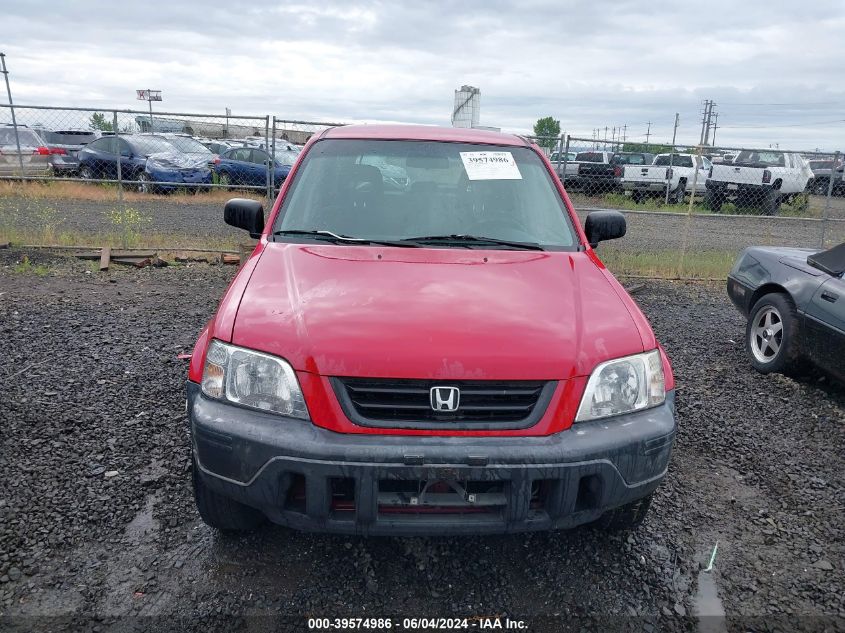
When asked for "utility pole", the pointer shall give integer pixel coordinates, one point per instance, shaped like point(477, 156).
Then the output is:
point(624, 134)
point(613, 136)
point(715, 127)
point(605, 134)
point(704, 122)
point(647, 135)
point(12, 108)
point(708, 116)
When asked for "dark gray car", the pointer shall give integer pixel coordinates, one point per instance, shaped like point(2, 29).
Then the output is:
point(794, 299)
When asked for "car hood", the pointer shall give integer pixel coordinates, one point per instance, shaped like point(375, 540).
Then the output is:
point(433, 313)
point(178, 160)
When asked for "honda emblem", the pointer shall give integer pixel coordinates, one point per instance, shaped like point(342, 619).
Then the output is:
point(445, 398)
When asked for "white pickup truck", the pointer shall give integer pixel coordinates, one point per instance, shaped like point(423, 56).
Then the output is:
point(564, 161)
point(758, 179)
point(675, 171)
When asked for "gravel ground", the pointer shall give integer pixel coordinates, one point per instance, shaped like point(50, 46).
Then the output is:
point(98, 528)
point(196, 224)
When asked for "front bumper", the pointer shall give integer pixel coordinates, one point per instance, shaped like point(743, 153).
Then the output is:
point(308, 478)
point(165, 179)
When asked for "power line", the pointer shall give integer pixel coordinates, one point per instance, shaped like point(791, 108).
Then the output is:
point(771, 126)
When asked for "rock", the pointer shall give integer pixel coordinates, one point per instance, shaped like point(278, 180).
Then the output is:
point(111, 473)
point(823, 564)
point(14, 573)
point(680, 609)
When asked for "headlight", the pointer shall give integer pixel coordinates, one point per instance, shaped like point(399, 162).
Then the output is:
point(623, 385)
point(252, 379)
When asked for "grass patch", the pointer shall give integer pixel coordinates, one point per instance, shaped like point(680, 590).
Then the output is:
point(671, 264)
point(107, 192)
point(26, 267)
point(118, 239)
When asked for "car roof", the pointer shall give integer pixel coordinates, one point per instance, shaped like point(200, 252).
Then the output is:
point(423, 133)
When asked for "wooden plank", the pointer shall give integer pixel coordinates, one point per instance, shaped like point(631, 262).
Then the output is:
point(116, 254)
point(105, 257)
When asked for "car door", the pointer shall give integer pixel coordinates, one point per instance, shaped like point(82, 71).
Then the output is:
point(825, 326)
point(259, 166)
point(238, 165)
point(703, 165)
point(102, 159)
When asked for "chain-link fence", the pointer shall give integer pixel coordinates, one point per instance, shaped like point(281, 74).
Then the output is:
point(689, 209)
point(147, 152)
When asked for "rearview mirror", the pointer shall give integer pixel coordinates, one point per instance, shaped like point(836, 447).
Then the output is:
point(604, 225)
point(245, 214)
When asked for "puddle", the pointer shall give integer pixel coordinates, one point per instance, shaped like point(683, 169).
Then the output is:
point(143, 524)
point(708, 606)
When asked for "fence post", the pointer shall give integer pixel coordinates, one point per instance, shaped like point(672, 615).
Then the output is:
point(827, 198)
point(269, 165)
point(565, 157)
point(118, 155)
point(273, 156)
point(12, 108)
point(559, 154)
point(671, 157)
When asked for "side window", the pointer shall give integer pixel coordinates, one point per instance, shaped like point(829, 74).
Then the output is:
point(240, 154)
point(260, 157)
point(123, 147)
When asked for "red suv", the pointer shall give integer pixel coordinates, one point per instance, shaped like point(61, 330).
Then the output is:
point(429, 353)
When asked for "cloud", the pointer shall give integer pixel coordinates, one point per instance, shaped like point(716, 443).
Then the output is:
point(589, 64)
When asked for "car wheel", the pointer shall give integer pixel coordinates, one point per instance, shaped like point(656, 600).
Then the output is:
point(637, 197)
point(713, 200)
point(627, 517)
point(820, 186)
point(771, 203)
point(221, 512)
point(85, 173)
point(144, 185)
point(224, 180)
point(680, 192)
point(771, 334)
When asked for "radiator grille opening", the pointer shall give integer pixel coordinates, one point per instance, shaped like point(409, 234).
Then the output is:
point(386, 401)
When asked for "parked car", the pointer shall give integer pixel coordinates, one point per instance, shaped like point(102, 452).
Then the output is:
point(677, 172)
point(449, 358)
point(564, 162)
point(794, 300)
point(601, 172)
point(64, 145)
point(758, 179)
point(248, 166)
point(33, 160)
point(822, 171)
point(219, 146)
point(149, 161)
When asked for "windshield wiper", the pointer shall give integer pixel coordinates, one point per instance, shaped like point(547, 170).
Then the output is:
point(472, 240)
point(344, 239)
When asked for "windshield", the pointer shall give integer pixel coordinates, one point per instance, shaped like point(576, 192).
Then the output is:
point(146, 145)
point(286, 156)
point(678, 160)
point(769, 159)
point(186, 144)
point(25, 137)
point(349, 187)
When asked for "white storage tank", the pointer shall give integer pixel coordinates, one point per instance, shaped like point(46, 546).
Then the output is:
point(466, 111)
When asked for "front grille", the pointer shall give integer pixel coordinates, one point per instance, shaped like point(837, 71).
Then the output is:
point(407, 403)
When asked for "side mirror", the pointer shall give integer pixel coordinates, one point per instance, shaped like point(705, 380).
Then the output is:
point(245, 214)
point(604, 225)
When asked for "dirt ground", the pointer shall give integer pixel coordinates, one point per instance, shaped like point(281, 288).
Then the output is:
point(98, 529)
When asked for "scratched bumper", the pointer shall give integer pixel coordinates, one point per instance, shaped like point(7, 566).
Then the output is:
point(308, 478)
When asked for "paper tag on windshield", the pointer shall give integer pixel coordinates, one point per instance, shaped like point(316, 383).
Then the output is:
point(490, 166)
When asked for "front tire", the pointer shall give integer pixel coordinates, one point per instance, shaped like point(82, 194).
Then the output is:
point(627, 517)
point(713, 200)
point(680, 192)
point(86, 174)
point(771, 203)
point(772, 335)
point(144, 181)
point(223, 513)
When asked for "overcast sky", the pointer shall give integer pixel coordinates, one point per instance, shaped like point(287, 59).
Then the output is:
point(775, 68)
